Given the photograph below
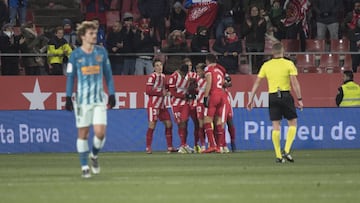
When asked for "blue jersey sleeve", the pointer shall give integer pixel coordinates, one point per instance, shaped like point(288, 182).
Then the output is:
point(108, 73)
point(70, 73)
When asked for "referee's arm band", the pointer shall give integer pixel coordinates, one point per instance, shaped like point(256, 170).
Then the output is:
point(299, 99)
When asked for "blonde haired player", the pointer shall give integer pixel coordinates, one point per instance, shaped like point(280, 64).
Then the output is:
point(89, 64)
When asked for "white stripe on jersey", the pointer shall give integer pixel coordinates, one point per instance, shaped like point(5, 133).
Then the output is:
point(201, 87)
point(181, 84)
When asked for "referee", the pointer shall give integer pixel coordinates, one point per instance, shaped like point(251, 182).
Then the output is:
point(280, 73)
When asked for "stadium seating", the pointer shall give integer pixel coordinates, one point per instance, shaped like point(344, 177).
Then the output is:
point(306, 63)
point(329, 63)
point(291, 45)
point(111, 18)
point(244, 68)
point(315, 45)
point(339, 45)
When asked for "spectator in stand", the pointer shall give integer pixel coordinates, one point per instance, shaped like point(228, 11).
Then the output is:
point(31, 43)
point(352, 26)
point(200, 44)
point(230, 48)
point(176, 44)
point(69, 33)
point(158, 11)
point(261, 4)
point(127, 6)
point(96, 9)
point(9, 44)
point(254, 30)
point(4, 14)
point(101, 40)
point(55, 5)
point(177, 17)
point(128, 32)
point(276, 14)
point(295, 21)
point(58, 48)
point(228, 9)
point(326, 15)
point(144, 42)
point(17, 7)
point(114, 45)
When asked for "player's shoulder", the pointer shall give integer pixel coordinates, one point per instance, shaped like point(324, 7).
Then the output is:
point(76, 53)
point(100, 49)
point(175, 74)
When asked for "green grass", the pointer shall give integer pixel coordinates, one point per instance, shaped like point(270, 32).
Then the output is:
point(249, 176)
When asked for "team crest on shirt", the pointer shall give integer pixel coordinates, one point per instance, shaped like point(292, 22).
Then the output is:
point(99, 58)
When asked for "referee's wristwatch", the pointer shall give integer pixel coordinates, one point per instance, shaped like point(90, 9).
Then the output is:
point(300, 99)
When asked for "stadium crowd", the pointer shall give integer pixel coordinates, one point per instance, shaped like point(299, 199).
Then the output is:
point(136, 31)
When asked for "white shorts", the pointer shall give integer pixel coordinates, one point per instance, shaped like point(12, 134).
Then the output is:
point(90, 114)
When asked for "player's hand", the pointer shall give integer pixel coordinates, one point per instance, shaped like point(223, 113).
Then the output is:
point(301, 105)
point(249, 106)
point(69, 104)
point(206, 102)
point(111, 101)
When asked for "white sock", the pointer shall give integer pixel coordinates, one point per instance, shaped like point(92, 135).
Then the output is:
point(82, 145)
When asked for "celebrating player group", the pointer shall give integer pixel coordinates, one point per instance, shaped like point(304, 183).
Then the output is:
point(201, 96)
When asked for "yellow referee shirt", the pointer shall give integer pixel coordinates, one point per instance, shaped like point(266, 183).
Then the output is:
point(277, 71)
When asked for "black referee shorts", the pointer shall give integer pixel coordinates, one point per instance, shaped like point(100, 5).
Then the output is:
point(281, 106)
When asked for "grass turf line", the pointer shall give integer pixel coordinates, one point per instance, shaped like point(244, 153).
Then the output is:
point(247, 176)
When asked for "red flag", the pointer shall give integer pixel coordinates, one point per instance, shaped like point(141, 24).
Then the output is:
point(200, 14)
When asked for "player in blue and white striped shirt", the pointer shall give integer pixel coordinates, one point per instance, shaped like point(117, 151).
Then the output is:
point(89, 64)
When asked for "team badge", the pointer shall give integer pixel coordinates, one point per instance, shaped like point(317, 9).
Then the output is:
point(99, 58)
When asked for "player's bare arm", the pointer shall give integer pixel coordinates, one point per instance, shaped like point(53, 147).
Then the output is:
point(296, 85)
point(252, 94)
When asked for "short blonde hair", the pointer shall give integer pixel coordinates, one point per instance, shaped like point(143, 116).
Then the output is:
point(277, 48)
point(83, 27)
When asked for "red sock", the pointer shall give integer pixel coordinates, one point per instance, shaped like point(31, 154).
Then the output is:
point(210, 134)
point(149, 137)
point(168, 135)
point(221, 136)
point(182, 135)
point(232, 133)
point(201, 135)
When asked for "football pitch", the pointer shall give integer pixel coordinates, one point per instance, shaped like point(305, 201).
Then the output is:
point(246, 176)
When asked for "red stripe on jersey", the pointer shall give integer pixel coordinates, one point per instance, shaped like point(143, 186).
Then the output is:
point(157, 81)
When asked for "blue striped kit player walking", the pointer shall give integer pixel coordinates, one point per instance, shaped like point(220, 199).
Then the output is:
point(89, 63)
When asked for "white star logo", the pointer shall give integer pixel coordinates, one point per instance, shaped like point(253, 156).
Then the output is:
point(37, 98)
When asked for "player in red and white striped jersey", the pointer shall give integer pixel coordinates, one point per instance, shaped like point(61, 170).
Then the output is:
point(214, 101)
point(178, 87)
point(191, 99)
point(200, 70)
point(155, 89)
